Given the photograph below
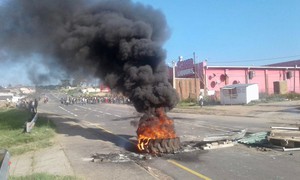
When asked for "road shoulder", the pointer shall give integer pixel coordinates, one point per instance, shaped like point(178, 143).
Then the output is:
point(51, 160)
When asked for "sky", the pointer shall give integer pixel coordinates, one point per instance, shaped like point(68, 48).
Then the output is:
point(231, 32)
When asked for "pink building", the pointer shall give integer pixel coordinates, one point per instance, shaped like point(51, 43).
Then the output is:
point(212, 78)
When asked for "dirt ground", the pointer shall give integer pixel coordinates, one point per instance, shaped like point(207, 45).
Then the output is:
point(5, 104)
point(242, 110)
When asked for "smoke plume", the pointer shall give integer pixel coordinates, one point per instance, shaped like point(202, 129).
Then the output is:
point(118, 41)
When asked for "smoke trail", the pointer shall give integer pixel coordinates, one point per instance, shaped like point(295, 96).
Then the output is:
point(117, 41)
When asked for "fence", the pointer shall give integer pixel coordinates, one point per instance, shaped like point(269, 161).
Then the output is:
point(30, 125)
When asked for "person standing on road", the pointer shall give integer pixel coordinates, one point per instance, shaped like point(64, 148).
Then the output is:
point(31, 106)
point(201, 99)
point(35, 105)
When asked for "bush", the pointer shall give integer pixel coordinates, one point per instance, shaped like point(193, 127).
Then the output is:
point(279, 97)
point(293, 96)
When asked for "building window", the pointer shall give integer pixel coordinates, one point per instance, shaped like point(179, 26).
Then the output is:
point(289, 74)
point(232, 93)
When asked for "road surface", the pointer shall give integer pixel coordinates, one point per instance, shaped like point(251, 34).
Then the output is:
point(105, 130)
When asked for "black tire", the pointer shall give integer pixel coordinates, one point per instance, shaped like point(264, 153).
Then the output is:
point(152, 149)
point(157, 146)
point(171, 144)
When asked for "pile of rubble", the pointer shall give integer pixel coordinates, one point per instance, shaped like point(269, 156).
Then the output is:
point(286, 137)
point(222, 140)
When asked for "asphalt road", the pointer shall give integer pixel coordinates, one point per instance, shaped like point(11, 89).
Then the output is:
point(106, 130)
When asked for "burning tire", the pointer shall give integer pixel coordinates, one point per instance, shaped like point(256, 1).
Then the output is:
point(156, 133)
point(157, 146)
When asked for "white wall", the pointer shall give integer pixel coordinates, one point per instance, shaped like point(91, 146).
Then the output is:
point(252, 93)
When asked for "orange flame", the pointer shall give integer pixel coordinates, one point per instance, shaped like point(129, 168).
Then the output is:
point(156, 127)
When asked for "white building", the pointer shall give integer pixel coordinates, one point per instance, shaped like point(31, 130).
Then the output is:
point(239, 93)
point(90, 90)
point(4, 96)
point(15, 99)
point(25, 90)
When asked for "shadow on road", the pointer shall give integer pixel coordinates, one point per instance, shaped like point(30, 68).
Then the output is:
point(75, 127)
point(126, 118)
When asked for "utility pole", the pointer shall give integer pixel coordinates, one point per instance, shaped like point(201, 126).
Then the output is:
point(174, 76)
point(295, 78)
point(195, 73)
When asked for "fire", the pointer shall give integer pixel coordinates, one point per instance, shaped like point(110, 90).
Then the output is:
point(159, 126)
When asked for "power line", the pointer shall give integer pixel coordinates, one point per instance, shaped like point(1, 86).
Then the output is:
point(238, 61)
point(263, 59)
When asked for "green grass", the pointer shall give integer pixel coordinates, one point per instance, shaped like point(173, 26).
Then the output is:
point(43, 176)
point(279, 97)
point(12, 138)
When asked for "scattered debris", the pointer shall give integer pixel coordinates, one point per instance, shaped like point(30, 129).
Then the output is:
point(230, 136)
point(189, 146)
point(257, 139)
point(111, 157)
point(286, 128)
point(291, 149)
point(119, 157)
point(285, 136)
point(264, 149)
point(217, 145)
point(222, 140)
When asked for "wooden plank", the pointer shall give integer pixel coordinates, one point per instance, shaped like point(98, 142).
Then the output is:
point(285, 133)
point(286, 128)
point(284, 141)
point(291, 149)
point(284, 138)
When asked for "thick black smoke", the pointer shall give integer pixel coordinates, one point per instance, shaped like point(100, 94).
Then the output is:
point(117, 41)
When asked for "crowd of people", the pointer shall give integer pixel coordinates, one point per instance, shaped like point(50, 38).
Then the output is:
point(29, 104)
point(94, 100)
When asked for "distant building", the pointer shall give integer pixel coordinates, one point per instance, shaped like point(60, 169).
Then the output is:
point(25, 90)
point(190, 77)
point(90, 90)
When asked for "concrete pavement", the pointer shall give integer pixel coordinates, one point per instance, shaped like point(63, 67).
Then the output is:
point(51, 160)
